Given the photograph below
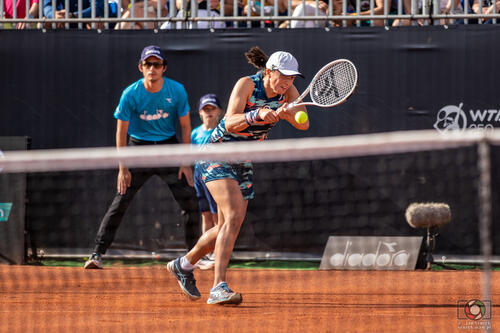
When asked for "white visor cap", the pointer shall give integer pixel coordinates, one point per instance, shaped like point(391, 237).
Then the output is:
point(284, 62)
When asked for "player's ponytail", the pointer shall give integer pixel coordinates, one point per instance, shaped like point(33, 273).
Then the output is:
point(256, 57)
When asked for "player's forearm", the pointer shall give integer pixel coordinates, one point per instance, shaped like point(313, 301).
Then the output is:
point(239, 121)
point(236, 123)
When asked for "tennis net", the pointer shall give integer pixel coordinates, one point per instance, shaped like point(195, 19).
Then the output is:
point(306, 190)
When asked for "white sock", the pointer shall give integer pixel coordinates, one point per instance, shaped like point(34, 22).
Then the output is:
point(218, 285)
point(186, 265)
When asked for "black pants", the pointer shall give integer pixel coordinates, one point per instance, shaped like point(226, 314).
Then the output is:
point(184, 194)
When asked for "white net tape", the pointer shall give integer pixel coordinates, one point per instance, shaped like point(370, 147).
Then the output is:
point(267, 151)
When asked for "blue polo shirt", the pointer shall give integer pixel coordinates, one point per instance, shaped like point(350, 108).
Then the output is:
point(152, 116)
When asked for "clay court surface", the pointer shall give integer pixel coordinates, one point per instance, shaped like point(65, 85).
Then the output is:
point(57, 299)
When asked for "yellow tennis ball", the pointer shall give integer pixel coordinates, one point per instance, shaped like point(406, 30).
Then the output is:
point(301, 117)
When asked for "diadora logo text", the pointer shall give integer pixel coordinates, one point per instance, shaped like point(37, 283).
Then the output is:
point(386, 254)
point(371, 252)
point(454, 118)
point(150, 117)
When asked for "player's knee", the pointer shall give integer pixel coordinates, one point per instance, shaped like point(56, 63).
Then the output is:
point(234, 219)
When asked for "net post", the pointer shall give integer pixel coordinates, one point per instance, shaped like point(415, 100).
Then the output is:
point(484, 166)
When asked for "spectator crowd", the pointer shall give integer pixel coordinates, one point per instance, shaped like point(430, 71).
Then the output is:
point(161, 13)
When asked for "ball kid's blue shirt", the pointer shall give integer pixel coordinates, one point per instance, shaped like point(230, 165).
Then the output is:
point(152, 116)
point(200, 136)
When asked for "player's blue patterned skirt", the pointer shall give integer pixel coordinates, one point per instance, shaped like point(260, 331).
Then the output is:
point(241, 172)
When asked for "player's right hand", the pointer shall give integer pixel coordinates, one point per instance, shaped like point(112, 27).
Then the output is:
point(124, 180)
point(268, 115)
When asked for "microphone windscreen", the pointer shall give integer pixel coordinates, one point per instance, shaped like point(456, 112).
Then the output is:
point(424, 215)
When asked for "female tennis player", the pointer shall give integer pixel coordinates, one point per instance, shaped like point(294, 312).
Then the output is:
point(256, 104)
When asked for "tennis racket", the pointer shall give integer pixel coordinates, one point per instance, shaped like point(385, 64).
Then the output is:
point(331, 86)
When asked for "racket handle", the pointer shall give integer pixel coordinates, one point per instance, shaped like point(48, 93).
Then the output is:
point(291, 105)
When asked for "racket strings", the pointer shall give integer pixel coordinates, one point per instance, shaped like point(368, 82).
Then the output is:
point(334, 84)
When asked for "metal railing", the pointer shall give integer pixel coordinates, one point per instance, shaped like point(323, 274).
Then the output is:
point(167, 14)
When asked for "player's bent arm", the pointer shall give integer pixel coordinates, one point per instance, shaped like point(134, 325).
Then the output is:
point(289, 115)
point(235, 118)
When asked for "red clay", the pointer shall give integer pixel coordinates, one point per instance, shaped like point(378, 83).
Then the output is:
point(56, 299)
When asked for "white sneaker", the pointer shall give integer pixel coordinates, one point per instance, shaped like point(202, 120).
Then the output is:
point(206, 263)
point(94, 262)
point(221, 294)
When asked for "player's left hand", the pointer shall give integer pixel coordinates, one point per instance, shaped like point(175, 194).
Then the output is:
point(188, 173)
point(268, 115)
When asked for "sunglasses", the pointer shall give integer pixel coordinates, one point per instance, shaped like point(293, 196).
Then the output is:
point(156, 65)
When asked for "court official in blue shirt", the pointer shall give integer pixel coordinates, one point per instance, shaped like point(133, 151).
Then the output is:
point(148, 113)
point(153, 116)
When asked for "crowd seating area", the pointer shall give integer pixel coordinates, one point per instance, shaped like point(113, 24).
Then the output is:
point(221, 14)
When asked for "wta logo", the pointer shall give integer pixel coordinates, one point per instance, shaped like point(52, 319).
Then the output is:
point(454, 118)
point(474, 310)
